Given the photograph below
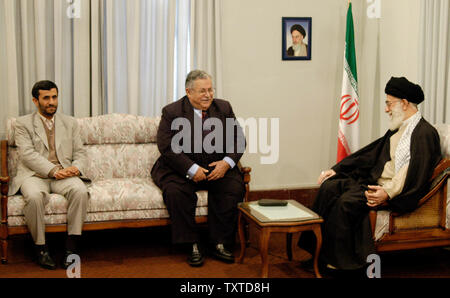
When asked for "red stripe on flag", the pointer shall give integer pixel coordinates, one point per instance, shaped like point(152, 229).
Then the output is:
point(343, 150)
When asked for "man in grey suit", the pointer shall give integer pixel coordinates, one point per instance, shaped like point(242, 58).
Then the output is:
point(51, 159)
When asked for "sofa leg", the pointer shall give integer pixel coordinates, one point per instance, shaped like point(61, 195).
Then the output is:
point(4, 251)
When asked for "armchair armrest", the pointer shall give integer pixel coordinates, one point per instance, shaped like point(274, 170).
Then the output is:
point(443, 170)
point(440, 173)
point(443, 165)
point(437, 193)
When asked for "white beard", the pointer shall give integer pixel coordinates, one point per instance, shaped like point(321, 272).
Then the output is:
point(296, 47)
point(397, 117)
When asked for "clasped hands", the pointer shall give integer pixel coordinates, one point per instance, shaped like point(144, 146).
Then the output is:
point(67, 173)
point(221, 167)
point(375, 194)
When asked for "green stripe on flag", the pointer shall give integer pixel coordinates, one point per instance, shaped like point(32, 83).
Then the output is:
point(350, 54)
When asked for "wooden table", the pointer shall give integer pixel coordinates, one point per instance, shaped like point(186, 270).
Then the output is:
point(249, 213)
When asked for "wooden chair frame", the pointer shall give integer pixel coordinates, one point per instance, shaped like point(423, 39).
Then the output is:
point(406, 231)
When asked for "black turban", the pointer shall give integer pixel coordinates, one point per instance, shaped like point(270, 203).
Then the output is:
point(404, 89)
point(299, 28)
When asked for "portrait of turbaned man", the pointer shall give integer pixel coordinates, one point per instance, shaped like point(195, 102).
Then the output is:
point(297, 39)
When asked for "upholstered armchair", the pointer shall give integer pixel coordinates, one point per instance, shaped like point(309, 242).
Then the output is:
point(429, 224)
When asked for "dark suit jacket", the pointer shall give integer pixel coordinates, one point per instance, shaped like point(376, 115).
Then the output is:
point(172, 166)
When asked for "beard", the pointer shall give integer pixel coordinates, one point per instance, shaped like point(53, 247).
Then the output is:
point(47, 110)
point(396, 117)
point(296, 46)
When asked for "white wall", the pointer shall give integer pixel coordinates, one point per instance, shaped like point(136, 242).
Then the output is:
point(304, 95)
point(400, 41)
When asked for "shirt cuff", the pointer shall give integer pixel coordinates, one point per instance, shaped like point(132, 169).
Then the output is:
point(192, 170)
point(229, 161)
point(52, 172)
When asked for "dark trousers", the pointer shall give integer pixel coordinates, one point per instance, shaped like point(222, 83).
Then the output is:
point(223, 196)
point(346, 232)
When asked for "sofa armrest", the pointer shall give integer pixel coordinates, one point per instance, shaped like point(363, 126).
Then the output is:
point(4, 158)
point(4, 181)
point(246, 171)
point(246, 175)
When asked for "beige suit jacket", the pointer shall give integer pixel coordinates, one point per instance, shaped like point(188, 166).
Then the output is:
point(32, 143)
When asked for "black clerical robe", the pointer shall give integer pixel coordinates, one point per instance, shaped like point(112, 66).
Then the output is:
point(347, 236)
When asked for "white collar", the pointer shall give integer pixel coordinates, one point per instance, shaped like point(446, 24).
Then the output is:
point(48, 122)
point(411, 119)
point(198, 112)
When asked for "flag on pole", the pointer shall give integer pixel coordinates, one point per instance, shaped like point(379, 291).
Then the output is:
point(348, 136)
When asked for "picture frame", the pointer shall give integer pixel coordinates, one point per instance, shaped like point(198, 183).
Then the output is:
point(293, 29)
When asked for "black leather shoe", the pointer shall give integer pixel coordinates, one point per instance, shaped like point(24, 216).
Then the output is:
point(196, 258)
point(45, 261)
point(221, 253)
point(65, 263)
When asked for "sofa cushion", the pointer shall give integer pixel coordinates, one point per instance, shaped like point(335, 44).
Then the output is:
point(106, 196)
point(118, 129)
point(91, 217)
point(120, 161)
point(129, 194)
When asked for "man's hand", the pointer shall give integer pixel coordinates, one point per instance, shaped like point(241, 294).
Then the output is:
point(375, 195)
point(200, 175)
point(324, 175)
point(221, 167)
point(67, 173)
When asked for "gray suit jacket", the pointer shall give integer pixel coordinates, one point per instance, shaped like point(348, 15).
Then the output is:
point(31, 140)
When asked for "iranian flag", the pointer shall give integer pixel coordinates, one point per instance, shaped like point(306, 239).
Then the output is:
point(348, 137)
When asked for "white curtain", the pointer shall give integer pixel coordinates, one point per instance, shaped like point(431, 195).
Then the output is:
point(434, 64)
point(152, 45)
point(40, 41)
point(205, 39)
point(117, 56)
point(138, 55)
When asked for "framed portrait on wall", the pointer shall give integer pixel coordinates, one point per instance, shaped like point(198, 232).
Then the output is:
point(296, 38)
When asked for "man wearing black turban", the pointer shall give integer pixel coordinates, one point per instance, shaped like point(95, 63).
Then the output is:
point(299, 48)
point(394, 170)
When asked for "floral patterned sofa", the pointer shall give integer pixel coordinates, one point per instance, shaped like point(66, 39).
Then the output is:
point(121, 150)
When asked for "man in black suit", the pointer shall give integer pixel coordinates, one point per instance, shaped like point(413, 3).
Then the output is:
point(203, 159)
